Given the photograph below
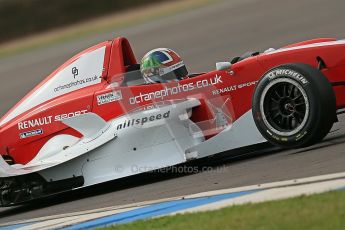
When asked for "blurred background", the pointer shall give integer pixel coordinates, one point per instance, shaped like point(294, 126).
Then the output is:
point(19, 18)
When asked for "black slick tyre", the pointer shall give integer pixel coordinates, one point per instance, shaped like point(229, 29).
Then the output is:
point(294, 105)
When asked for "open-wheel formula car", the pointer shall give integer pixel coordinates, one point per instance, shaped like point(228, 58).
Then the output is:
point(94, 119)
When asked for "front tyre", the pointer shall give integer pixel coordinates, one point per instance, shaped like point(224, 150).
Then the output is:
point(294, 105)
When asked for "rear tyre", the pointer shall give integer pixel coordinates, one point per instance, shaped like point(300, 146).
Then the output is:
point(294, 105)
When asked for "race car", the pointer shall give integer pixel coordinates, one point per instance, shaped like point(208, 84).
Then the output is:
point(94, 119)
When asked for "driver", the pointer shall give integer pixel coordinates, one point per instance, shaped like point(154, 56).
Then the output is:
point(162, 65)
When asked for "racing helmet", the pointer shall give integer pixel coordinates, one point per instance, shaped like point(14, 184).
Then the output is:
point(162, 65)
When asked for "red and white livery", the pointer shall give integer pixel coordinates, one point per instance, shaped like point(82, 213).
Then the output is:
point(95, 119)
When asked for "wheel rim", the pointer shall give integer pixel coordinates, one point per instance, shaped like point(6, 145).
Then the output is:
point(285, 106)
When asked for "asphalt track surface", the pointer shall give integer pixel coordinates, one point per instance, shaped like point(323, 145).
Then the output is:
point(202, 37)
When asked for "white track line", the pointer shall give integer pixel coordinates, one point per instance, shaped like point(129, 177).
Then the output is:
point(67, 221)
point(271, 194)
point(288, 185)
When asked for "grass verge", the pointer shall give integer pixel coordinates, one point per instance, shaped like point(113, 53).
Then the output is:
point(103, 24)
point(321, 211)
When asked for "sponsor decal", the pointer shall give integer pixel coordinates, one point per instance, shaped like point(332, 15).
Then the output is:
point(179, 88)
point(60, 82)
point(234, 87)
point(73, 84)
point(109, 97)
point(31, 133)
point(86, 71)
point(75, 72)
point(142, 120)
point(287, 72)
point(48, 120)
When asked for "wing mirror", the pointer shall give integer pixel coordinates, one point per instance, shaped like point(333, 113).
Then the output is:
point(223, 65)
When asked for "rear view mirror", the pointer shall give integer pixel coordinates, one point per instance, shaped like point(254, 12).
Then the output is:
point(223, 65)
